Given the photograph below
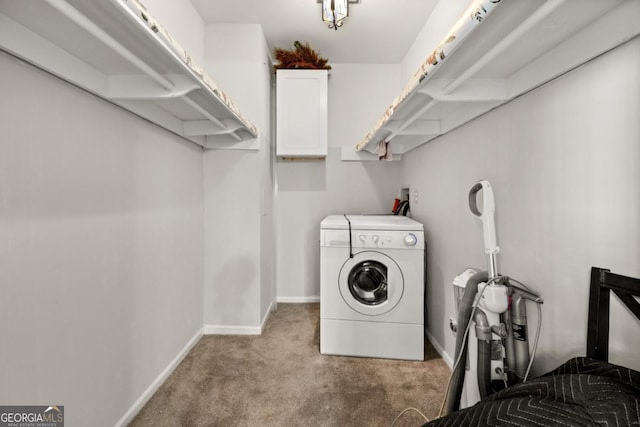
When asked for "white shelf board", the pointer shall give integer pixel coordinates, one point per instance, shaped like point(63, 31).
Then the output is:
point(515, 47)
point(116, 50)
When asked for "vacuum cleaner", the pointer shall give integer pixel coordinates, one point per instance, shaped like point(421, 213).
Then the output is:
point(492, 348)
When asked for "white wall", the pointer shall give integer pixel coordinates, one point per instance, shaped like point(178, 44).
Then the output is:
point(183, 22)
point(239, 189)
point(307, 191)
point(237, 59)
point(563, 162)
point(358, 95)
point(232, 247)
point(268, 249)
point(444, 16)
point(100, 248)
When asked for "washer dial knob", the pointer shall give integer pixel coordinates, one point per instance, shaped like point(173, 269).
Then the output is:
point(410, 239)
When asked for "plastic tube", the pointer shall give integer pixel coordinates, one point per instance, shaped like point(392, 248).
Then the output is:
point(484, 368)
point(520, 338)
point(484, 334)
point(464, 317)
point(509, 346)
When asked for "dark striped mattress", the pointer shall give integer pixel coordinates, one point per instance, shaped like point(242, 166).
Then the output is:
point(581, 392)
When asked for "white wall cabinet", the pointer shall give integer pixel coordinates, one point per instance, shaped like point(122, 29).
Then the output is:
point(301, 113)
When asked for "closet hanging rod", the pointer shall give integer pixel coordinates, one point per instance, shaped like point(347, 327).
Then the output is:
point(545, 10)
point(70, 12)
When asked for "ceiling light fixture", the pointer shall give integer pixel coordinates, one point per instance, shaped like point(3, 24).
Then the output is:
point(334, 12)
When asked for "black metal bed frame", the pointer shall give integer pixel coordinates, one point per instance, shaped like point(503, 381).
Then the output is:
point(602, 283)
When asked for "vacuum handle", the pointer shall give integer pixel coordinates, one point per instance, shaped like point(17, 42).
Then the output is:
point(529, 295)
point(486, 215)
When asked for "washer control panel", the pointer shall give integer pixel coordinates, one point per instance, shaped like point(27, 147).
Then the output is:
point(374, 239)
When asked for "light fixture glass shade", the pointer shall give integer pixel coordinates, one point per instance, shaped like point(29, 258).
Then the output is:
point(334, 12)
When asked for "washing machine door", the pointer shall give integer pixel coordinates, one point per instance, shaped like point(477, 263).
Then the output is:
point(371, 283)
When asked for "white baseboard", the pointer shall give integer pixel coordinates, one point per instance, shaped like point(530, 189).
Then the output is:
point(298, 300)
point(240, 329)
point(231, 330)
point(447, 359)
point(272, 307)
point(155, 385)
point(441, 351)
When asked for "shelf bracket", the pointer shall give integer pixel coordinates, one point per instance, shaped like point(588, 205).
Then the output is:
point(207, 127)
point(141, 87)
point(205, 113)
point(415, 116)
point(419, 127)
point(471, 90)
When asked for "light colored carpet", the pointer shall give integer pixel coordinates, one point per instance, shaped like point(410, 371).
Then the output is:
point(280, 379)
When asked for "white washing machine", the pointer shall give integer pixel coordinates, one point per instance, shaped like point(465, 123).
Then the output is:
point(372, 286)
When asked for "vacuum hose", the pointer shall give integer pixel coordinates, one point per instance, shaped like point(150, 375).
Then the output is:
point(464, 317)
point(484, 334)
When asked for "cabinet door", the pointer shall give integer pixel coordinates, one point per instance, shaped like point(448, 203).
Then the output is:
point(301, 113)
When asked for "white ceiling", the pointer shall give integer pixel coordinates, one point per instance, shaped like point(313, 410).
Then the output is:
point(376, 31)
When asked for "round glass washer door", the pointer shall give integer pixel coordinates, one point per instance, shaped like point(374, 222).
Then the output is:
point(371, 283)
